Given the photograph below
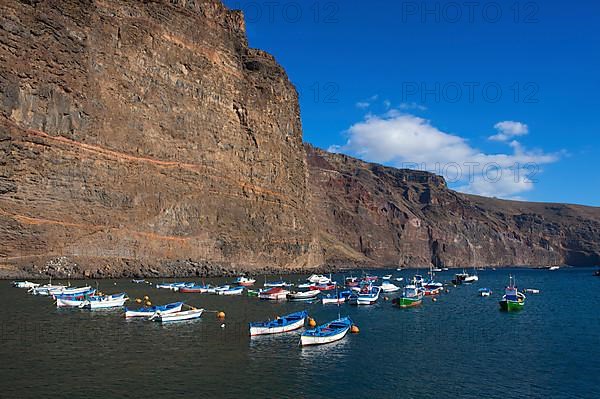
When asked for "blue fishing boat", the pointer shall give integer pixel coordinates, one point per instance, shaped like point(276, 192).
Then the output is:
point(330, 332)
point(78, 296)
point(368, 295)
point(150, 310)
point(340, 297)
point(290, 322)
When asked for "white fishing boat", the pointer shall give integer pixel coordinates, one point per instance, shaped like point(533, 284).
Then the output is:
point(232, 291)
point(70, 291)
point(338, 298)
point(386, 286)
point(281, 324)
point(319, 279)
point(330, 332)
point(245, 281)
point(179, 316)
point(532, 291)
point(274, 294)
point(24, 284)
point(44, 290)
point(150, 310)
point(104, 302)
point(76, 301)
point(553, 268)
point(221, 289)
point(303, 296)
point(400, 279)
point(387, 277)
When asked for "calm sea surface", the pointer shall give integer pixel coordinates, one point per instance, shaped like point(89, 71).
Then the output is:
point(460, 346)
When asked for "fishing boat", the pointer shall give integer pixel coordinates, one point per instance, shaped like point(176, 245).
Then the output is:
point(70, 291)
point(399, 279)
point(304, 286)
point(322, 287)
point(338, 298)
point(177, 316)
point(437, 269)
point(532, 291)
point(318, 279)
point(150, 310)
point(233, 291)
point(553, 268)
point(351, 281)
point(74, 301)
point(220, 289)
point(245, 281)
point(370, 278)
point(484, 292)
point(44, 290)
point(290, 322)
point(386, 286)
point(75, 297)
point(326, 333)
point(303, 295)
point(195, 289)
point(277, 284)
point(104, 302)
point(387, 277)
point(368, 295)
point(253, 293)
point(432, 291)
point(464, 278)
point(411, 296)
point(597, 273)
point(512, 299)
point(24, 284)
point(173, 286)
point(138, 281)
point(274, 294)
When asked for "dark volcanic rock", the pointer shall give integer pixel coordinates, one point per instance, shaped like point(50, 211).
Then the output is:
point(384, 216)
point(146, 131)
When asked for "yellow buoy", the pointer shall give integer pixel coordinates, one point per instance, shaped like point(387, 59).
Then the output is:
point(354, 329)
point(148, 303)
point(146, 298)
point(312, 322)
point(385, 298)
point(221, 315)
point(138, 300)
point(434, 299)
point(100, 293)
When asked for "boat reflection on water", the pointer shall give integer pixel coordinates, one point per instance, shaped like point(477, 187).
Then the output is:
point(330, 353)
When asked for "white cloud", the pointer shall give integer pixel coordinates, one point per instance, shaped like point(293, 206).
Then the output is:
point(408, 141)
point(509, 129)
point(410, 106)
point(363, 104)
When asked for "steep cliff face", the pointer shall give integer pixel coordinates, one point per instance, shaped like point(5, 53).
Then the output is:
point(146, 131)
point(377, 215)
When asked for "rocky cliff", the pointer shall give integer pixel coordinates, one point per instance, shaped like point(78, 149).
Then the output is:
point(147, 138)
point(149, 132)
point(378, 215)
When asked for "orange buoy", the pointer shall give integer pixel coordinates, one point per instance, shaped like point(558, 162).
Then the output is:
point(146, 298)
point(138, 300)
point(447, 291)
point(312, 322)
point(354, 329)
point(221, 315)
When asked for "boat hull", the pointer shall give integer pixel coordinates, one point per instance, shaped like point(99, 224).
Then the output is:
point(408, 302)
point(511, 306)
point(178, 316)
point(107, 304)
point(136, 313)
point(254, 331)
point(306, 340)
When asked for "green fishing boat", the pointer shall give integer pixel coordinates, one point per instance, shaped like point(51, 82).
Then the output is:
point(512, 299)
point(252, 293)
point(411, 296)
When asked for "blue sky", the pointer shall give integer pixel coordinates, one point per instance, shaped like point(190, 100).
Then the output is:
point(503, 95)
